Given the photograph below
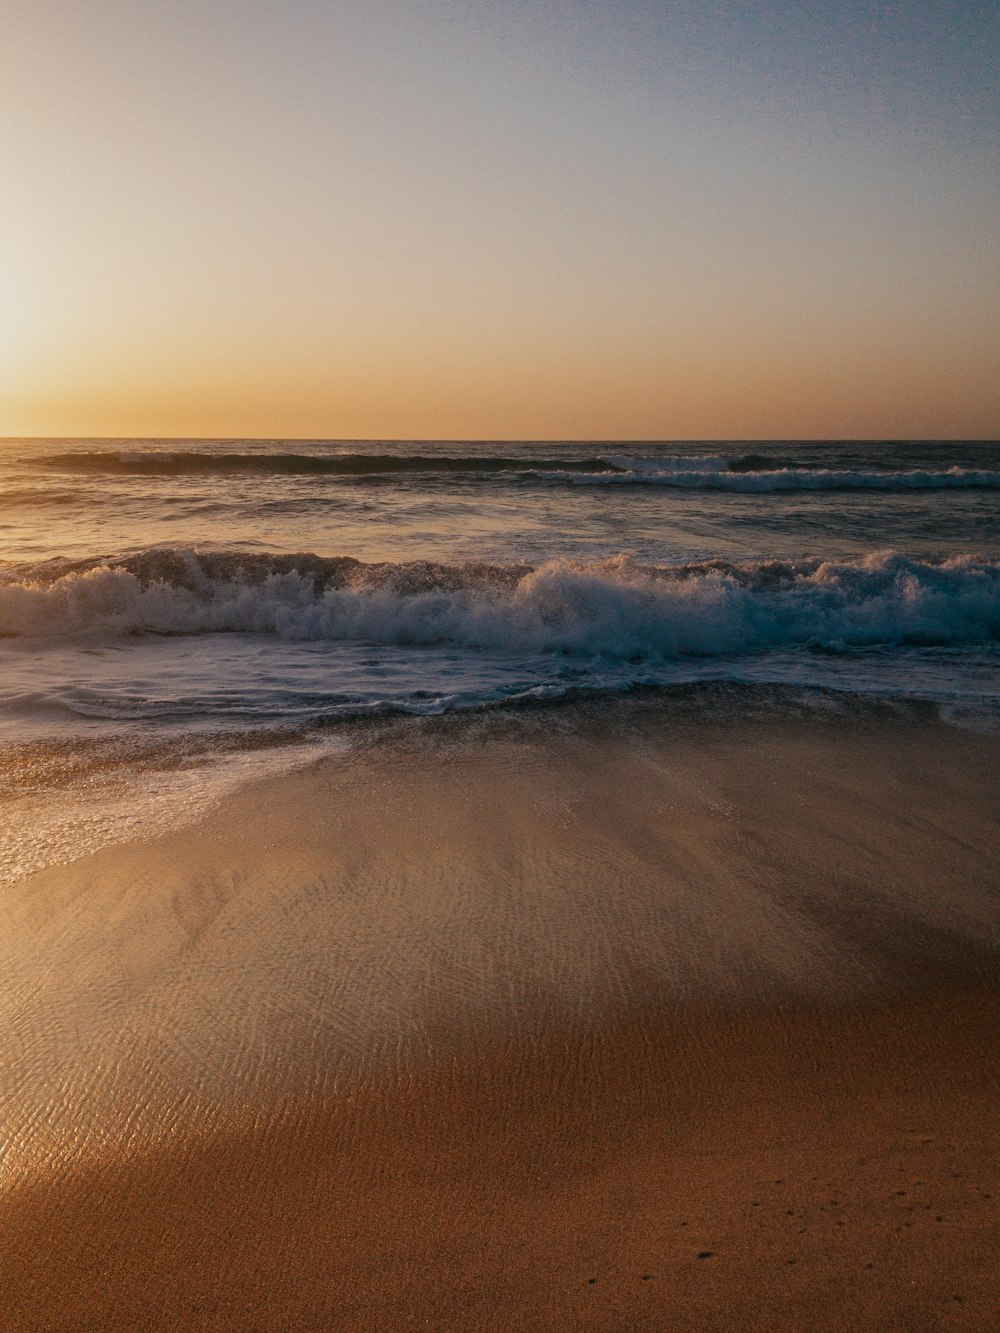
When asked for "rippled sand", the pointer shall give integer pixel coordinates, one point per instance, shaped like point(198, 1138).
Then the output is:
point(561, 1019)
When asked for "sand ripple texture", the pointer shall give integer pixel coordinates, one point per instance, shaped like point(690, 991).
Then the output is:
point(452, 884)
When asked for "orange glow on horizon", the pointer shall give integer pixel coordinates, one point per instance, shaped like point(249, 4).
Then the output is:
point(314, 224)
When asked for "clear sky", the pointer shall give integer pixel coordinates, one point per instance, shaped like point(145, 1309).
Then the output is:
point(500, 218)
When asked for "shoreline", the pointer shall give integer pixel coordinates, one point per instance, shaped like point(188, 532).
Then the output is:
point(437, 1031)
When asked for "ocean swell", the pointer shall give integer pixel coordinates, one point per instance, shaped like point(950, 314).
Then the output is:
point(751, 475)
point(179, 463)
point(746, 473)
point(618, 609)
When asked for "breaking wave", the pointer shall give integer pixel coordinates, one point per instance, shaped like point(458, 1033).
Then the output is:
point(618, 609)
point(753, 473)
point(749, 473)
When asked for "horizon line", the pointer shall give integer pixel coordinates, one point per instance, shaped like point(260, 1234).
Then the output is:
point(520, 439)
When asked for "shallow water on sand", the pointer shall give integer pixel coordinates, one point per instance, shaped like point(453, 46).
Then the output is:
point(454, 882)
point(189, 598)
point(535, 1010)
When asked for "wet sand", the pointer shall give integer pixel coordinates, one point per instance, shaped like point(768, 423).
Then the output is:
point(597, 1018)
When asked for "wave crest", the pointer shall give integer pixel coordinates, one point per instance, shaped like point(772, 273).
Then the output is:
point(749, 473)
point(618, 608)
point(175, 463)
point(757, 474)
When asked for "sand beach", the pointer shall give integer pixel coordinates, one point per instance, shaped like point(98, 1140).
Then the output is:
point(604, 1016)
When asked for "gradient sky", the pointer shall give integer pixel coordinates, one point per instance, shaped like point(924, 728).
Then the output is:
point(500, 218)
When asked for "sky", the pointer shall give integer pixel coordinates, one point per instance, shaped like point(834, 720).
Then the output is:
point(506, 219)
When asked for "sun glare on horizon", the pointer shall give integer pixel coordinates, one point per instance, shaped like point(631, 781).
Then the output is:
point(502, 221)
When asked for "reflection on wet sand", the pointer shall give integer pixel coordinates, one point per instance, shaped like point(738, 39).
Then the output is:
point(567, 1020)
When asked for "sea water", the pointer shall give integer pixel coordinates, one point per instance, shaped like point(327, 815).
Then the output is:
point(170, 608)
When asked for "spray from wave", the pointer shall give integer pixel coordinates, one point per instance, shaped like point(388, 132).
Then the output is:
point(618, 609)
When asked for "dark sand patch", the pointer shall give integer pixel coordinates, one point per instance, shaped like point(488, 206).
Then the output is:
point(523, 1191)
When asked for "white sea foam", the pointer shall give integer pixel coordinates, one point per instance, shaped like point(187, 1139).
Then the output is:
point(615, 608)
point(752, 472)
point(724, 474)
point(65, 823)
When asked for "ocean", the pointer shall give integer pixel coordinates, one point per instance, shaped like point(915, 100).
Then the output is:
point(177, 617)
point(488, 886)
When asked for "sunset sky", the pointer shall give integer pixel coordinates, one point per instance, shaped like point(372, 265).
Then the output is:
point(500, 218)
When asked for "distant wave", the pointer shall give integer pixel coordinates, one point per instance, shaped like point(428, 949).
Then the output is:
point(619, 609)
point(162, 462)
point(756, 473)
point(749, 473)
